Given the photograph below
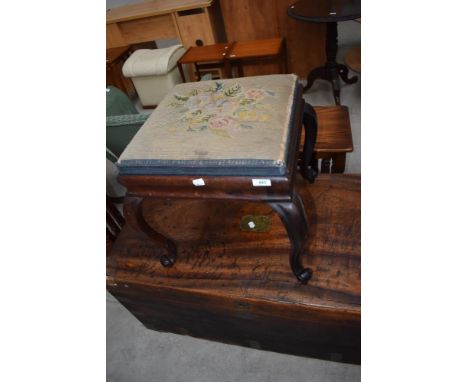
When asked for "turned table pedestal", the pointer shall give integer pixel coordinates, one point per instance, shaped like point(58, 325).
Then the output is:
point(230, 139)
point(329, 12)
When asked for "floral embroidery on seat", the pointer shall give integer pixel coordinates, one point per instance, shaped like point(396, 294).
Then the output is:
point(219, 108)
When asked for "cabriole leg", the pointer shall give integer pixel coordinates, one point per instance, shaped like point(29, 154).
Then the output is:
point(294, 219)
point(134, 217)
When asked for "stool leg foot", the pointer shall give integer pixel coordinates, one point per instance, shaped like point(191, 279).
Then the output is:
point(343, 72)
point(134, 216)
point(166, 261)
point(293, 216)
point(304, 276)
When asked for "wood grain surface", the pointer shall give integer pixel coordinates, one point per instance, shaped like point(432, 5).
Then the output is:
point(205, 53)
point(353, 59)
point(257, 48)
point(334, 129)
point(236, 287)
point(247, 20)
point(187, 20)
point(152, 8)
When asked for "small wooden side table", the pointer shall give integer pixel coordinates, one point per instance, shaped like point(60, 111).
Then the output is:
point(250, 52)
point(334, 139)
point(329, 12)
point(235, 54)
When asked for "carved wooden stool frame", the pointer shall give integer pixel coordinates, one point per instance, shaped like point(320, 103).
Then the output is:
point(281, 196)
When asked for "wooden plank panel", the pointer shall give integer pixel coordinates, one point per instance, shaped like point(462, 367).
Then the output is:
point(152, 8)
point(260, 19)
point(305, 41)
point(334, 130)
point(195, 27)
point(247, 20)
point(146, 29)
point(114, 38)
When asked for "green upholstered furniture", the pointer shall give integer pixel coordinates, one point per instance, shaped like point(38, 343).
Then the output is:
point(122, 122)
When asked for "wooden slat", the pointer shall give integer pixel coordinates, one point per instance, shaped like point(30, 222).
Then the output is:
point(247, 20)
point(257, 48)
point(334, 129)
point(114, 36)
point(334, 134)
point(196, 27)
point(263, 19)
point(205, 53)
point(146, 29)
point(216, 187)
point(305, 41)
point(152, 8)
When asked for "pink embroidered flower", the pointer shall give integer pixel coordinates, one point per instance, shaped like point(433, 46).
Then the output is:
point(255, 93)
point(220, 122)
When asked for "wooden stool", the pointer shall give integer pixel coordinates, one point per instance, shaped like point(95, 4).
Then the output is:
point(235, 54)
point(334, 138)
point(223, 140)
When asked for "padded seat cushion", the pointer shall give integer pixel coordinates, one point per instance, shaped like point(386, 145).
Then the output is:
point(224, 127)
point(152, 62)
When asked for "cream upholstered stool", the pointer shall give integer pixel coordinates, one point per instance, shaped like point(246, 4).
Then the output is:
point(227, 139)
point(154, 72)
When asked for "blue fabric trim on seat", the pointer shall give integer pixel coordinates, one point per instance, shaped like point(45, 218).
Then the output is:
point(226, 167)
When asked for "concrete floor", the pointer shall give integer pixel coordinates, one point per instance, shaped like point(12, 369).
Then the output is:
point(137, 354)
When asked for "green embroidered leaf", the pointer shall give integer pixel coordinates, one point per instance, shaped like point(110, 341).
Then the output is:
point(197, 128)
point(247, 101)
point(220, 132)
point(246, 126)
point(233, 90)
point(180, 98)
point(194, 92)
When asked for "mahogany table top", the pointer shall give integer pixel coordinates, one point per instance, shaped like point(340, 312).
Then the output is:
point(319, 11)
